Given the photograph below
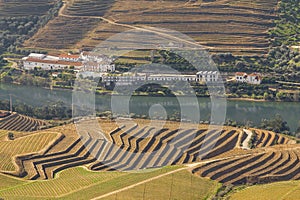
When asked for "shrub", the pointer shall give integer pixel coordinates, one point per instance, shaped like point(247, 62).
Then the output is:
point(10, 136)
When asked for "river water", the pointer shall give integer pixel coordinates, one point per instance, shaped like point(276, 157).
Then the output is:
point(241, 111)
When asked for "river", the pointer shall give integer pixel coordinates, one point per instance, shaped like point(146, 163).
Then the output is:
point(241, 111)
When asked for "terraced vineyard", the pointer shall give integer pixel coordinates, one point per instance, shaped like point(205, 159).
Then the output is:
point(223, 26)
point(269, 166)
point(287, 190)
point(137, 146)
point(90, 8)
point(60, 156)
point(14, 8)
point(17, 122)
point(22, 144)
point(62, 33)
point(239, 27)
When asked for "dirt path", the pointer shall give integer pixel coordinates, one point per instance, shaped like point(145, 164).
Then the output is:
point(14, 64)
point(245, 144)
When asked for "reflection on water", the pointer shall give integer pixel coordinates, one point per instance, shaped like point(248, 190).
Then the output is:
point(236, 110)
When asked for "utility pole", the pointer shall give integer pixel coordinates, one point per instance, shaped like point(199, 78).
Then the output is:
point(10, 102)
point(170, 195)
point(144, 191)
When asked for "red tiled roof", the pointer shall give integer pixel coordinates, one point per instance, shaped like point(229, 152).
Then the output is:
point(57, 62)
point(69, 56)
point(240, 73)
point(255, 75)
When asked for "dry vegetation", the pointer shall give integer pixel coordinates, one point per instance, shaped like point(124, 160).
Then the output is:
point(62, 33)
point(17, 122)
point(134, 145)
point(288, 190)
point(22, 144)
point(280, 163)
point(239, 27)
point(79, 183)
point(57, 154)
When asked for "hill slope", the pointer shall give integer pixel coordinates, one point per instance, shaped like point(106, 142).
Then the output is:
point(17, 8)
point(239, 27)
point(17, 122)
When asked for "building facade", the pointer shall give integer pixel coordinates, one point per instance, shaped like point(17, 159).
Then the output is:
point(132, 78)
point(253, 78)
point(47, 62)
point(86, 61)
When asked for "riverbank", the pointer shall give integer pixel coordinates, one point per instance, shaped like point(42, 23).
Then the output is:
point(109, 93)
point(241, 110)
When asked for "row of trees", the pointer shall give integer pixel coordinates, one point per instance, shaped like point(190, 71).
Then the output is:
point(56, 110)
point(275, 124)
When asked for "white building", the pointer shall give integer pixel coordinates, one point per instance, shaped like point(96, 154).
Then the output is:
point(253, 78)
point(132, 78)
point(208, 76)
point(96, 63)
point(95, 66)
point(172, 77)
point(47, 62)
point(241, 76)
point(69, 57)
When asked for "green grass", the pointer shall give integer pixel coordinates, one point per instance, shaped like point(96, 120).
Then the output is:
point(289, 190)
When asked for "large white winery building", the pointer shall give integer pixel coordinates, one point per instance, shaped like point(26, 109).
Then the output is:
point(86, 61)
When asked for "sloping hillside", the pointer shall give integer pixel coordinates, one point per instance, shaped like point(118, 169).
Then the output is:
point(60, 156)
point(129, 148)
point(17, 122)
point(17, 8)
point(239, 27)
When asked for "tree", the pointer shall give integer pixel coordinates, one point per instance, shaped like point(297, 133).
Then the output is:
point(277, 124)
point(10, 136)
point(279, 95)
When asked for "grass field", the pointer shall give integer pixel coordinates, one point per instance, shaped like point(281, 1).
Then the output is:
point(289, 190)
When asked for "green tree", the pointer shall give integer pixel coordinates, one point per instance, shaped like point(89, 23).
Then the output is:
point(10, 136)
